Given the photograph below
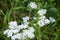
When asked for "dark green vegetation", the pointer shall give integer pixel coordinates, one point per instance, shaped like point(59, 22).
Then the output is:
point(15, 9)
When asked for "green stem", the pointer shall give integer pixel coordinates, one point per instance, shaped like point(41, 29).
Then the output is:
point(38, 33)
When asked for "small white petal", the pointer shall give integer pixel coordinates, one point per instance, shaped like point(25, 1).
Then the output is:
point(12, 24)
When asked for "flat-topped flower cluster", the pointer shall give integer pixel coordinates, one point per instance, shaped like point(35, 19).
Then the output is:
point(43, 20)
point(20, 32)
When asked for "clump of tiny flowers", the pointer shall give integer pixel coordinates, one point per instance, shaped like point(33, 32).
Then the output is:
point(14, 30)
point(43, 20)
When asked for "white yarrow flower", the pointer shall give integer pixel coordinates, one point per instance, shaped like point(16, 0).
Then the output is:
point(33, 5)
point(25, 18)
point(31, 29)
point(29, 33)
point(12, 24)
point(42, 11)
point(14, 31)
point(43, 21)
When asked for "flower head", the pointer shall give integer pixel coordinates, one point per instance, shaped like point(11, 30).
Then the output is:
point(43, 21)
point(42, 11)
point(33, 5)
point(12, 24)
point(25, 18)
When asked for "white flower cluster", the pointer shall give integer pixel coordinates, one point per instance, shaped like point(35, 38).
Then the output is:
point(42, 11)
point(14, 30)
point(33, 5)
point(43, 20)
point(25, 20)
